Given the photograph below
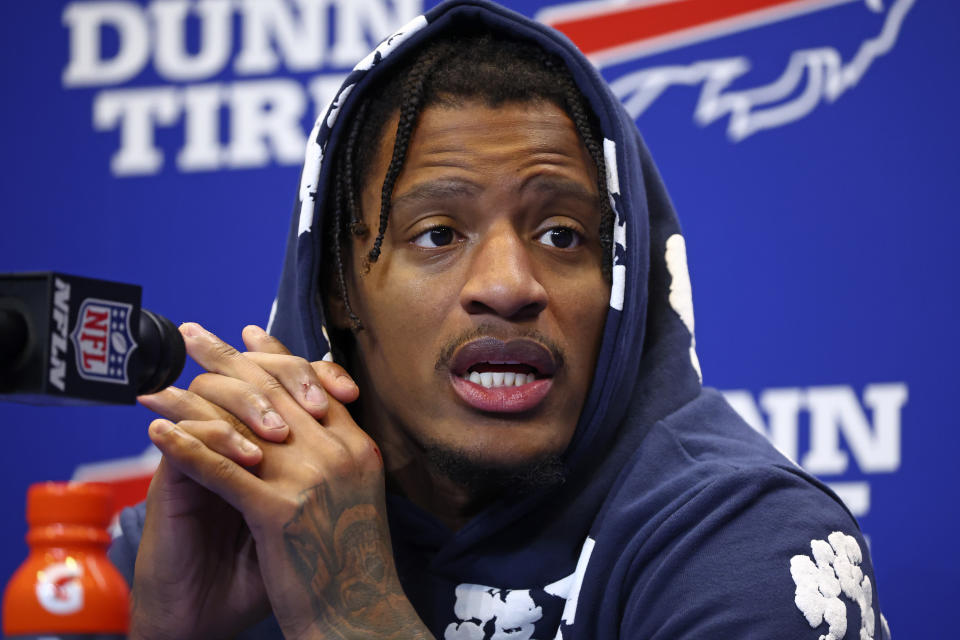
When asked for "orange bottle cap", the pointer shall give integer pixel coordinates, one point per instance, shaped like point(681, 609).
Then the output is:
point(69, 502)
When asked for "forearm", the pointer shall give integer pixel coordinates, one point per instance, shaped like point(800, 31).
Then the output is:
point(343, 558)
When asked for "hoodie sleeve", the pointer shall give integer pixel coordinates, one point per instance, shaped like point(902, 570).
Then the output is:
point(760, 554)
point(123, 549)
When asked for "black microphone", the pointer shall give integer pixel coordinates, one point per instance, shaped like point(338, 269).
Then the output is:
point(71, 340)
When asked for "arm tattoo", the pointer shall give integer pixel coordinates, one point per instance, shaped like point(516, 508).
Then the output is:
point(342, 553)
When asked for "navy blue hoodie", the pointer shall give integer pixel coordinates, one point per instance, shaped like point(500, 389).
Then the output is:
point(676, 521)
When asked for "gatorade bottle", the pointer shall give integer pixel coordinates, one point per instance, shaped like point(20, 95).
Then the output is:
point(67, 588)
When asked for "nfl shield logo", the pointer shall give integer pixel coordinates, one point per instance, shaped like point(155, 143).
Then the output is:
point(103, 341)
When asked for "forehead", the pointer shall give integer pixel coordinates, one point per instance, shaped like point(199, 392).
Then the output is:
point(477, 141)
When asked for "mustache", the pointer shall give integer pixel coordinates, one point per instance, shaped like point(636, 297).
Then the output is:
point(490, 330)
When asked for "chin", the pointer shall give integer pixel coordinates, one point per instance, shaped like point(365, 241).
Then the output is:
point(483, 472)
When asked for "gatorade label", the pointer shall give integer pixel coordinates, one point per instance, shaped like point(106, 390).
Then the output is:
point(59, 589)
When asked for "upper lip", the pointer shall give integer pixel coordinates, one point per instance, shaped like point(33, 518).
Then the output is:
point(488, 349)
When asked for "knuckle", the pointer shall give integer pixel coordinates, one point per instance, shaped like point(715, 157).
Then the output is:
point(302, 366)
point(222, 470)
point(221, 431)
point(341, 462)
point(222, 350)
point(371, 456)
point(191, 445)
point(239, 427)
point(183, 402)
point(271, 385)
point(255, 399)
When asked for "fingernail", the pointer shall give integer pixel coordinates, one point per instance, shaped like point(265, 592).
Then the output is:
point(248, 447)
point(316, 396)
point(192, 329)
point(272, 420)
point(161, 427)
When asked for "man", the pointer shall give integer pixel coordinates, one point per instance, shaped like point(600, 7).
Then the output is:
point(531, 455)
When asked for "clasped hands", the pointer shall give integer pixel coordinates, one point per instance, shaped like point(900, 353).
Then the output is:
point(268, 497)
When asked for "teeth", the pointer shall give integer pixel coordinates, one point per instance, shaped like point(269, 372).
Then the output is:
point(496, 379)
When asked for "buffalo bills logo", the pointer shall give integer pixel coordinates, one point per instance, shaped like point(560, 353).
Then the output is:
point(102, 340)
point(747, 92)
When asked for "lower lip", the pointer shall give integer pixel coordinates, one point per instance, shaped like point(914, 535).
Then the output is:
point(502, 399)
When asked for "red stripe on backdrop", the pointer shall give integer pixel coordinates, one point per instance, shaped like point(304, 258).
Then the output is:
point(631, 25)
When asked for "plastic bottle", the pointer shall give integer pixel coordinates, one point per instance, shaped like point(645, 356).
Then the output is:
point(67, 587)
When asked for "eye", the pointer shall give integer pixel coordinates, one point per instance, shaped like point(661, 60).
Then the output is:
point(435, 237)
point(561, 238)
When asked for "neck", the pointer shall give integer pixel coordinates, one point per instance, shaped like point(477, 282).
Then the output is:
point(449, 502)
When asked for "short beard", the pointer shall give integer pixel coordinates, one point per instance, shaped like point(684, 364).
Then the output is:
point(485, 479)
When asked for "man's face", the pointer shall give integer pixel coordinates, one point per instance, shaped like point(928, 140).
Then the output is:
point(484, 313)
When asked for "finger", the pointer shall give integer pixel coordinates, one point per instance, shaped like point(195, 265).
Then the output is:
point(216, 356)
point(333, 378)
point(222, 436)
point(297, 377)
point(256, 339)
point(336, 381)
point(243, 401)
point(218, 473)
point(180, 404)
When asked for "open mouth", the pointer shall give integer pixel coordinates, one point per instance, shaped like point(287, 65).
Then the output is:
point(503, 376)
point(500, 374)
point(491, 362)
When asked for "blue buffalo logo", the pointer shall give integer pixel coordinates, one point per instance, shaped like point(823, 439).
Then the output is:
point(102, 340)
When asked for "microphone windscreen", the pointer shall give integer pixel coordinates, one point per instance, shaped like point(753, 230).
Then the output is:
point(163, 355)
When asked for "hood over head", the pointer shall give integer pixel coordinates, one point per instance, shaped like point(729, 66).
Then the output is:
point(647, 367)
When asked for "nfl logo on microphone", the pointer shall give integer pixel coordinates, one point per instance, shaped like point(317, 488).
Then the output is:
point(103, 341)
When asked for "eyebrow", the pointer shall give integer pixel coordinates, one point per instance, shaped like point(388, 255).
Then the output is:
point(458, 188)
point(437, 190)
point(560, 187)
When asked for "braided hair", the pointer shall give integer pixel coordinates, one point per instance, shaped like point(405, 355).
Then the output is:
point(460, 66)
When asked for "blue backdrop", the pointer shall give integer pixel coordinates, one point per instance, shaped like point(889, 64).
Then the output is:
point(810, 147)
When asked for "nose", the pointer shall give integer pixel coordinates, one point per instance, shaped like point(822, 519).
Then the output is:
point(501, 280)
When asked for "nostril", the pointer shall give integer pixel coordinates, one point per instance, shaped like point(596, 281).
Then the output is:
point(477, 307)
point(529, 310)
point(522, 311)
